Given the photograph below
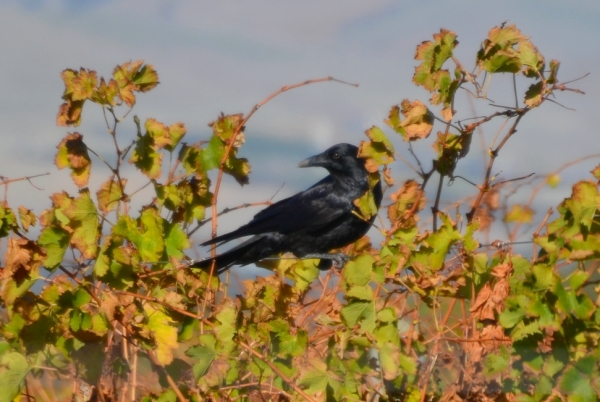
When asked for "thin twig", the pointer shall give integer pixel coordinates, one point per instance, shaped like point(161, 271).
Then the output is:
point(28, 178)
point(227, 210)
point(276, 370)
point(485, 187)
point(172, 383)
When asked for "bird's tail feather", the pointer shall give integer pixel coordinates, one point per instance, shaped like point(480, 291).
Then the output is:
point(221, 239)
point(241, 254)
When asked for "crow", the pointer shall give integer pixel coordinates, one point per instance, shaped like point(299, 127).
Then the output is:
point(309, 224)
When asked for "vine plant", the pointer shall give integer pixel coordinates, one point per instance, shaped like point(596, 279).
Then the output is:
point(428, 314)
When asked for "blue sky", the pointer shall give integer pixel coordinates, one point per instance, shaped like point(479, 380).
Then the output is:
point(217, 57)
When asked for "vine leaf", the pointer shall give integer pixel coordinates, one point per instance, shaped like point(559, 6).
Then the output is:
point(73, 153)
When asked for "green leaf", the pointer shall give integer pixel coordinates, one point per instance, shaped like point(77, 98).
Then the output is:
point(146, 234)
point(175, 240)
point(408, 365)
point(358, 272)
point(433, 55)
point(303, 273)
point(583, 203)
point(55, 240)
point(389, 358)
point(294, 345)
point(571, 303)
point(363, 312)
point(177, 131)
point(101, 266)
point(510, 318)
point(496, 363)
point(587, 364)
point(212, 155)
point(225, 126)
point(378, 151)
point(226, 330)
point(145, 78)
point(13, 369)
point(498, 53)
point(552, 366)
point(203, 356)
point(12, 290)
point(146, 158)
point(578, 387)
point(81, 298)
point(166, 396)
point(239, 168)
point(83, 220)
point(435, 246)
point(523, 330)
point(314, 379)
point(8, 221)
point(543, 388)
point(387, 315)
point(360, 292)
point(578, 278)
point(545, 276)
point(366, 204)
point(502, 61)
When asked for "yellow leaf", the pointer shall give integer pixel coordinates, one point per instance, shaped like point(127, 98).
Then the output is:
point(164, 333)
point(519, 213)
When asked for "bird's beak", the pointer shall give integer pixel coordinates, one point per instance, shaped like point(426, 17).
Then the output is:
point(317, 160)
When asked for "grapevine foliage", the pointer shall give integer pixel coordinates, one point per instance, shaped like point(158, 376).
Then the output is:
point(428, 314)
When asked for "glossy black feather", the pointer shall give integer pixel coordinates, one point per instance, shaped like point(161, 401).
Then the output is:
point(314, 221)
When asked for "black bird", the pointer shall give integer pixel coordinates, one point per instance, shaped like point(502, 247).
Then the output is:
point(311, 223)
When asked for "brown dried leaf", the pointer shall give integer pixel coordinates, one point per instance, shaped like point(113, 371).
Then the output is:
point(27, 218)
point(418, 121)
point(447, 113)
point(499, 294)
point(502, 270)
point(494, 337)
point(73, 153)
point(482, 298)
point(387, 176)
point(110, 194)
point(69, 113)
point(404, 200)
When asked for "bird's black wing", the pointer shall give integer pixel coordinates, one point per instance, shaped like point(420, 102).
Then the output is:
point(309, 210)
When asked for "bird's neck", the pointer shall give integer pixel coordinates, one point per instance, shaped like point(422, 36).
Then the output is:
point(352, 182)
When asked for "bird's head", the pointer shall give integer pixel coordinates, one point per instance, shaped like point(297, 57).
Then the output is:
point(340, 158)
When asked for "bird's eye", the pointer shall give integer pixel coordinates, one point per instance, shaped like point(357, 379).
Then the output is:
point(336, 155)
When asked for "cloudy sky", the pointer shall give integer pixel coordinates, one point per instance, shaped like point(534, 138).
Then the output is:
point(226, 56)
